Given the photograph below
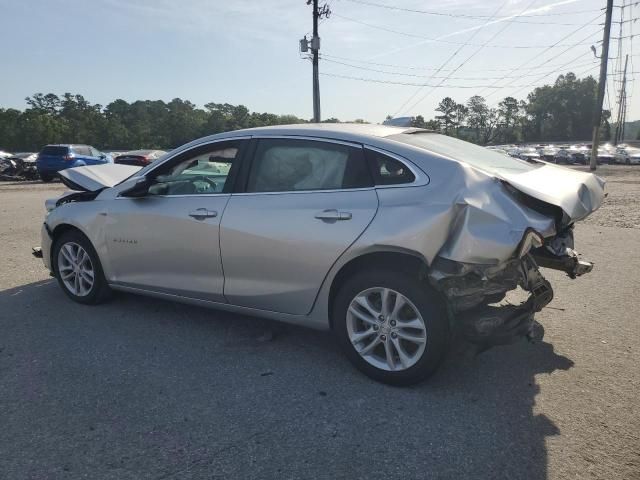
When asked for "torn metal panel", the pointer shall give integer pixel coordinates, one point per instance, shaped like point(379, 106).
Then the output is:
point(558, 254)
point(493, 305)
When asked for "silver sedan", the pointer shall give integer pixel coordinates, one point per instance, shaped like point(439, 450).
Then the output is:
point(395, 238)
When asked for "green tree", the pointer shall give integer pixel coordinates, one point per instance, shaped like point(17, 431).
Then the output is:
point(447, 107)
point(478, 115)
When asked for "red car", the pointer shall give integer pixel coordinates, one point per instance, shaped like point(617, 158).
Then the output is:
point(139, 158)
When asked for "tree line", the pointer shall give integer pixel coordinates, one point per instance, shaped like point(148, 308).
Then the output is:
point(122, 125)
point(552, 113)
point(562, 111)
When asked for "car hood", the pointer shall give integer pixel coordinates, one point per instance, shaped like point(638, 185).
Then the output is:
point(577, 193)
point(96, 177)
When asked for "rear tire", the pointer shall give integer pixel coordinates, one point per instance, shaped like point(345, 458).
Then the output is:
point(45, 177)
point(411, 340)
point(78, 270)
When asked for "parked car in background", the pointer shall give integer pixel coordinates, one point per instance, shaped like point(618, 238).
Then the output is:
point(395, 238)
point(563, 156)
point(579, 154)
point(139, 158)
point(19, 166)
point(548, 153)
point(627, 155)
point(605, 156)
point(529, 153)
point(54, 158)
point(26, 156)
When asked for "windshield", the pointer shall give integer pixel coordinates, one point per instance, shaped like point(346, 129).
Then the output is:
point(466, 152)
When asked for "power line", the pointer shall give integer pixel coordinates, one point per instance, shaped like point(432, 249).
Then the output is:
point(403, 74)
point(424, 37)
point(446, 62)
point(412, 67)
point(460, 15)
point(415, 84)
point(537, 81)
point(570, 34)
point(507, 25)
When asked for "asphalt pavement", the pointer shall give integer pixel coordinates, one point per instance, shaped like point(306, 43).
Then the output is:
point(146, 389)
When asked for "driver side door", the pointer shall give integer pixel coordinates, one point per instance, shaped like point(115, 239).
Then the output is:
point(168, 240)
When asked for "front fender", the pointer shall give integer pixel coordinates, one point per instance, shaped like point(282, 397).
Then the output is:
point(85, 217)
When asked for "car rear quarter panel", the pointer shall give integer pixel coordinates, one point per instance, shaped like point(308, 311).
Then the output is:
point(463, 214)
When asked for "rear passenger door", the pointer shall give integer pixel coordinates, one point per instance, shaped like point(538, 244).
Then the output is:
point(304, 202)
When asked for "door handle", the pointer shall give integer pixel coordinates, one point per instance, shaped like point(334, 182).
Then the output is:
point(333, 214)
point(202, 213)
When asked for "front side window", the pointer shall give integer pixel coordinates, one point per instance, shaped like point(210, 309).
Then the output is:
point(205, 172)
point(387, 170)
point(288, 165)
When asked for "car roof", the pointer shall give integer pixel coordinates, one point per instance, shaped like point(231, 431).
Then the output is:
point(339, 131)
point(66, 145)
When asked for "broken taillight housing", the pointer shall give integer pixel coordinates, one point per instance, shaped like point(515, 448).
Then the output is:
point(531, 239)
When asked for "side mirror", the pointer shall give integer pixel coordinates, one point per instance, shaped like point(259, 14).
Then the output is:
point(138, 189)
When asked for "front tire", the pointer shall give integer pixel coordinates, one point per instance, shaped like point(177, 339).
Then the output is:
point(392, 326)
point(78, 270)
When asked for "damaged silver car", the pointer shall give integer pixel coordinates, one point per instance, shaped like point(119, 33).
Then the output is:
point(397, 239)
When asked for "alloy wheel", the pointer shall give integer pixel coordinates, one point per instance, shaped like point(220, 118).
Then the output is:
point(75, 269)
point(386, 329)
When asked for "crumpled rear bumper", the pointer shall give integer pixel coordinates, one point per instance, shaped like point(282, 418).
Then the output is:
point(493, 305)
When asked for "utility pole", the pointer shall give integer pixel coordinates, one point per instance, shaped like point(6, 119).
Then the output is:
point(314, 45)
point(315, 48)
point(604, 61)
point(622, 106)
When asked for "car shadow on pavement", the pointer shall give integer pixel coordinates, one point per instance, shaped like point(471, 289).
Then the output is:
point(140, 387)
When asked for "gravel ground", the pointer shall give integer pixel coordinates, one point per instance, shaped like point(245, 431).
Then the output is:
point(140, 388)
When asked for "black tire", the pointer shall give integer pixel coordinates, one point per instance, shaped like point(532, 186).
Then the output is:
point(430, 305)
point(46, 178)
point(100, 290)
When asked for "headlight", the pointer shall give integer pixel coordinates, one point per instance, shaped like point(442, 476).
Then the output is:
point(531, 239)
point(50, 204)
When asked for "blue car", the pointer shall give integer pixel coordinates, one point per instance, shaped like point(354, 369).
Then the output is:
point(54, 158)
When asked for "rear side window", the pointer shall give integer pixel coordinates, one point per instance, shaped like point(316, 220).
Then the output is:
point(54, 150)
point(79, 150)
point(284, 165)
point(387, 170)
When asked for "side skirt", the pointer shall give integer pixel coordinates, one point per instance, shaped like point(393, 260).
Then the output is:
point(301, 320)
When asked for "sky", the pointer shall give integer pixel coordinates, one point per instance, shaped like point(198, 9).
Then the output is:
point(375, 61)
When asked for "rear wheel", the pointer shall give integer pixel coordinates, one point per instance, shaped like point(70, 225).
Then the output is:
point(391, 326)
point(46, 177)
point(78, 269)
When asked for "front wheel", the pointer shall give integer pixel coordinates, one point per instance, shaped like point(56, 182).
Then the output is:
point(78, 269)
point(391, 326)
